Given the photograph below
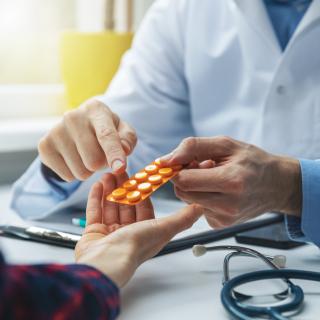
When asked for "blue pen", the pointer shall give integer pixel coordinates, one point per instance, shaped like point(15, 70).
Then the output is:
point(80, 222)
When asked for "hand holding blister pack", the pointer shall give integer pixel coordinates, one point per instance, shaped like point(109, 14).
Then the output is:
point(140, 186)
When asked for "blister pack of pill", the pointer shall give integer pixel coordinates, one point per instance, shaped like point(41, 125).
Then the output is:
point(140, 186)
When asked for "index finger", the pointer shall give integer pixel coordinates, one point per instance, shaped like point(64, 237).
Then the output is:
point(107, 135)
point(110, 214)
point(94, 210)
point(204, 180)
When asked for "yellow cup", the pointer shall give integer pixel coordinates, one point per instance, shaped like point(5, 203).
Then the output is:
point(89, 62)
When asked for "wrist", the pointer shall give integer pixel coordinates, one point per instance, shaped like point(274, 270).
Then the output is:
point(288, 184)
point(114, 263)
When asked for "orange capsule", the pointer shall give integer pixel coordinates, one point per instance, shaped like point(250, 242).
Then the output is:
point(130, 185)
point(133, 196)
point(145, 187)
point(151, 169)
point(119, 193)
point(177, 167)
point(155, 179)
point(166, 172)
point(141, 176)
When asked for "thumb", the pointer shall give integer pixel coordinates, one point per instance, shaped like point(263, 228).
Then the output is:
point(200, 149)
point(180, 221)
point(155, 234)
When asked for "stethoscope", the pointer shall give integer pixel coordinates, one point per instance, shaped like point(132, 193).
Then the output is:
point(234, 301)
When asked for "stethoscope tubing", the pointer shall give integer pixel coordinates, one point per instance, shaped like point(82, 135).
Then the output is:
point(242, 311)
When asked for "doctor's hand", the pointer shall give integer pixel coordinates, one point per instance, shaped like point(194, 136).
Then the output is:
point(87, 139)
point(242, 182)
point(117, 239)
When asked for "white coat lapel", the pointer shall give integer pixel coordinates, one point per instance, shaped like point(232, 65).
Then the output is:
point(311, 18)
point(256, 33)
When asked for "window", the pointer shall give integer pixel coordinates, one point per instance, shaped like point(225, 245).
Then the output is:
point(29, 35)
point(30, 81)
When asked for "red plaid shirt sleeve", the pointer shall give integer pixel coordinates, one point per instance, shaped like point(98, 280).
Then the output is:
point(56, 292)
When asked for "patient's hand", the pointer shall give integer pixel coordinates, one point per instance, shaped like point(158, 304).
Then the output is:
point(235, 181)
point(118, 238)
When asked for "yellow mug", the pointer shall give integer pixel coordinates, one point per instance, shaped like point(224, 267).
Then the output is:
point(89, 62)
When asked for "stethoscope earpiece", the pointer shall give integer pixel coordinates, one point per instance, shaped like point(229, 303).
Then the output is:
point(280, 260)
point(199, 250)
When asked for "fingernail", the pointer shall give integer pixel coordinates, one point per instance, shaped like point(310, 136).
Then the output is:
point(126, 146)
point(116, 165)
point(166, 157)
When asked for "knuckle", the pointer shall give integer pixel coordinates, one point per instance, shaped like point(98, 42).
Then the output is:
point(95, 163)
point(66, 176)
point(70, 117)
point(82, 174)
point(237, 185)
point(106, 133)
point(96, 111)
point(93, 105)
point(225, 140)
point(212, 222)
point(182, 182)
point(189, 143)
point(178, 192)
point(44, 146)
point(114, 151)
point(57, 134)
point(132, 136)
point(116, 119)
point(91, 210)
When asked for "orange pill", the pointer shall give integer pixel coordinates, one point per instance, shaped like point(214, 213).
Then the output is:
point(133, 196)
point(166, 172)
point(119, 193)
point(145, 187)
point(141, 176)
point(177, 167)
point(155, 179)
point(151, 169)
point(130, 185)
point(158, 162)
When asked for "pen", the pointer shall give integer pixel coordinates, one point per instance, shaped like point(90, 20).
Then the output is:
point(42, 235)
point(80, 222)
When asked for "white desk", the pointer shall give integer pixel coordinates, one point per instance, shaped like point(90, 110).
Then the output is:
point(176, 286)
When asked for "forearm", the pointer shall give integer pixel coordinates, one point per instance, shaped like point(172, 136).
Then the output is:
point(35, 197)
point(48, 291)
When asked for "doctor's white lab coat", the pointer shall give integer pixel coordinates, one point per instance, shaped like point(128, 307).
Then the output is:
point(206, 68)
